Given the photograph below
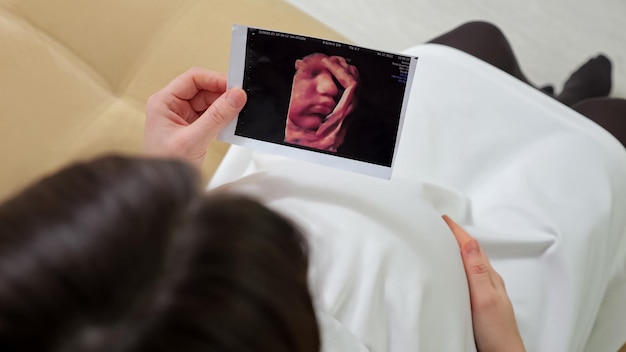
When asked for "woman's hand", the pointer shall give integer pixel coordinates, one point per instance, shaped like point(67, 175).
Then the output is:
point(495, 328)
point(185, 116)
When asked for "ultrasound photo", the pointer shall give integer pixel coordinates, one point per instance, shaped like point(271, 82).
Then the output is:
point(327, 102)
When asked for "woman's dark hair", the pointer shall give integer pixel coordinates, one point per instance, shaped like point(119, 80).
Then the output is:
point(128, 255)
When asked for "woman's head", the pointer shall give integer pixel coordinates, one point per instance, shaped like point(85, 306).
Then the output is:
point(123, 254)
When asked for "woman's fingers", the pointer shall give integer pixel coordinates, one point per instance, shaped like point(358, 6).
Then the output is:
point(476, 264)
point(459, 233)
point(194, 80)
point(219, 114)
point(493, 317)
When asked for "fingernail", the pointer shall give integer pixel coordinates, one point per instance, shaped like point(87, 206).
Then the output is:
point(471, 247)
point(234, 99)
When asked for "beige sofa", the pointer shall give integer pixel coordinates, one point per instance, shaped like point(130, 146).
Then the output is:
point(75, 74)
